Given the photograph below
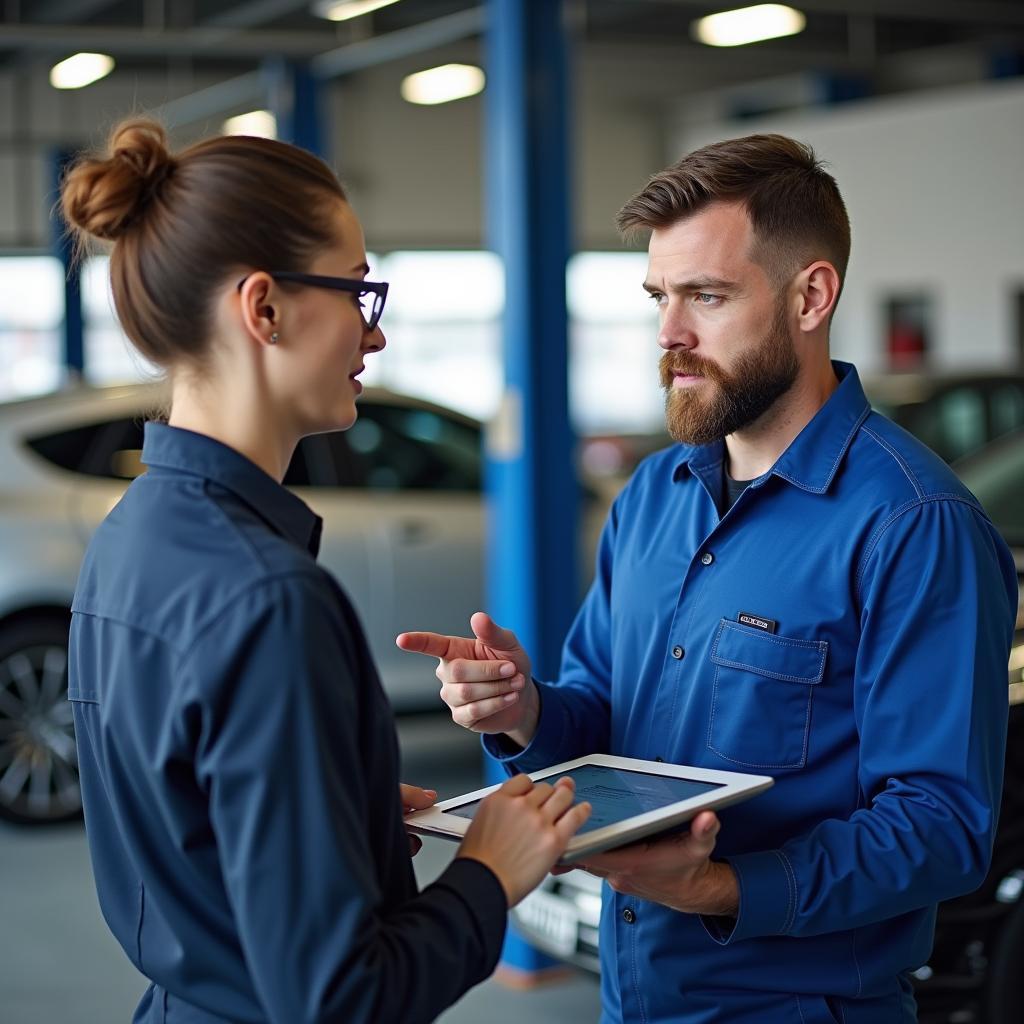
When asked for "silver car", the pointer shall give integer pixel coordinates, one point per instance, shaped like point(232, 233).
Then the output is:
point(403, 531)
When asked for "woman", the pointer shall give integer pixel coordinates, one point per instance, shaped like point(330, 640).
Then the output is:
point(238, 757)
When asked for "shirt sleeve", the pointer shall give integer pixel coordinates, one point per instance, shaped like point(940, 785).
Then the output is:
point(938, 597)
point(575, 712)
point(287, 754)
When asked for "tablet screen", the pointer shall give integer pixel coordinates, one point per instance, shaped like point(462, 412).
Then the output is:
point(617, 793)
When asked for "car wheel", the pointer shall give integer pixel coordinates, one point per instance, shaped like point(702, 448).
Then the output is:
point(38, 758)
point(1006, 980)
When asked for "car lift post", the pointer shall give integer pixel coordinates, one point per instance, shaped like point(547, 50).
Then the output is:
point(531, 485)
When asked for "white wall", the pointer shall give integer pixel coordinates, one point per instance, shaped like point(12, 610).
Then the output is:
point(934, 183)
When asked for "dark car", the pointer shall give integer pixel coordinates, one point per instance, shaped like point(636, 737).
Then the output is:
point(975, 974)
point(955, 414)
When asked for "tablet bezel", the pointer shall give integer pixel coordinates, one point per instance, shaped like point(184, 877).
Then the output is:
point(734, 786)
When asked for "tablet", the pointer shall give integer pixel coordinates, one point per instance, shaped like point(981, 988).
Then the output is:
point(630, 800)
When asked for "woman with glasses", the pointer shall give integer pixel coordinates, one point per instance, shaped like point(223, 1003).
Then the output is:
point(238, 757)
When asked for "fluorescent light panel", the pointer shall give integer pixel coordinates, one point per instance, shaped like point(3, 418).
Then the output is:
point(80, 70)
point(342, 10)
point(749, 25)
point(261, 123)
point(443, 84)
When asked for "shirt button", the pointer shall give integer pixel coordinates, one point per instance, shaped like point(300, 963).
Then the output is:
point(677, 652)
point(707, 558)
point(628, 916)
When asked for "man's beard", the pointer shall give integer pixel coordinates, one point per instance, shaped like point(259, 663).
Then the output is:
point(733, 400)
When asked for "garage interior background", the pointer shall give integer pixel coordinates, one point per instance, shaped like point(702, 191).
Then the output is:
point(917, 106)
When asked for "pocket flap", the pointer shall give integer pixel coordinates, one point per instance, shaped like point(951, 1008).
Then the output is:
point(778, 657)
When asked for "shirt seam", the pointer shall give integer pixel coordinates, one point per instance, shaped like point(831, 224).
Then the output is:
point(791, 908)
point(900, 461)
point(875, 538)
point(249, 588)
point(184, 650)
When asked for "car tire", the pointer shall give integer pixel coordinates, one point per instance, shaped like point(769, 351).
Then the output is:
point(1006, 980)
point(38, 758)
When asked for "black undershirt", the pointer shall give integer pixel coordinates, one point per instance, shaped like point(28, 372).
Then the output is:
point(731, 490)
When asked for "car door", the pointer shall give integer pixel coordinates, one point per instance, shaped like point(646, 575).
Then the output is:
point(411, 475)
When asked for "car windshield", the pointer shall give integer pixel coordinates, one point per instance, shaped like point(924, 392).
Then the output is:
point(996, 477)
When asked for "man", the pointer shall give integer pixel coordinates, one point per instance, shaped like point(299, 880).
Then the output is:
point(798, 588)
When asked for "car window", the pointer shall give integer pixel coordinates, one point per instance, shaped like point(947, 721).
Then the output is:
point(392, 447)
point(952, 424)
point(996, 477)
point(110, 448)
point(1007, 408)
point(312, 464)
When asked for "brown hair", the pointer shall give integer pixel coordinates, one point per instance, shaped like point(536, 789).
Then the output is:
point(794, 205)
point(181, 222)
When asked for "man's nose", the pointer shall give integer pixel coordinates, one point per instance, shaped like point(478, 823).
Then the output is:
point(675, 331)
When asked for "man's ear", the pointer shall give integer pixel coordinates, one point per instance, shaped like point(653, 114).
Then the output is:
point(818, 287)
point(257, 301)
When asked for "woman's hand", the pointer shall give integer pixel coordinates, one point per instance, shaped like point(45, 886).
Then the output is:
point(521, 830)
point(415, 799)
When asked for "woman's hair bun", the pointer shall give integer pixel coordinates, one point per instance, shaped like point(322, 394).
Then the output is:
point(102, 196)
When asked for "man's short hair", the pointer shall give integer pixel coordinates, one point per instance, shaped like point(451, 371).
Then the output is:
point(794, 205)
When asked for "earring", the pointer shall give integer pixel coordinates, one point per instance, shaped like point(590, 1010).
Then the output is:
point(274, 337)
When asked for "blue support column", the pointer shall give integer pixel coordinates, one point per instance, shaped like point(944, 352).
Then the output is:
point(531, 486)
point(294, 99)
point(74, 333)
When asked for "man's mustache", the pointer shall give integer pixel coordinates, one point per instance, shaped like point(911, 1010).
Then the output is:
point(673, 364)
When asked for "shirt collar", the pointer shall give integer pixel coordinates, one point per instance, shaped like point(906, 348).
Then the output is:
point(811, 460)
point(186, 451)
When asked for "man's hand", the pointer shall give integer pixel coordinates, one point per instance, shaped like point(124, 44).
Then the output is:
point(415, 799)
point(485, 680)
point(676, 871)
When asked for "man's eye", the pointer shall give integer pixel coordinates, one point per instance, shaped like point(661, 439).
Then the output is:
point(655, 297)
point(707, 299)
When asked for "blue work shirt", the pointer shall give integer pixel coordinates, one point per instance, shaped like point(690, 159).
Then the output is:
point(879, 705)
point(239, 766)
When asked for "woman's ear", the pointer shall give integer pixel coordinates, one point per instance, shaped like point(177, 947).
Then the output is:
point(257, 303)
point(818, 286)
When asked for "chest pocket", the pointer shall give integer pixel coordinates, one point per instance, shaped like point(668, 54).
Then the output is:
point(761, 700)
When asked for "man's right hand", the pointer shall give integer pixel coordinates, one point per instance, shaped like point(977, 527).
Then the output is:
point(485, 680)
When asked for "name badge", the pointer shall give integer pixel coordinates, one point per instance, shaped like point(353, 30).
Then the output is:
point(757, 621)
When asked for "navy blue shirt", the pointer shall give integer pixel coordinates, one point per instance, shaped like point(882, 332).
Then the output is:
point(240, 767)
point(879, 704)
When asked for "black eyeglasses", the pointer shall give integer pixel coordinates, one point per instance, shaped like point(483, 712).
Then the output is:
point(371, 294)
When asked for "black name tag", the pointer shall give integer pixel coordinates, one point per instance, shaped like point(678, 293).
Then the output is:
point(757, 621)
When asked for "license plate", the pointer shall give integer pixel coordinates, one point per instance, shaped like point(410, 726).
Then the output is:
point(552, 921)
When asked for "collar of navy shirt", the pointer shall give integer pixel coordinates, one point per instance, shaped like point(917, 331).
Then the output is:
point(185, 451)
point(811, 460)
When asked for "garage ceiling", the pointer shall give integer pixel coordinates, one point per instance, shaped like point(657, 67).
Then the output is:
point(229, 36)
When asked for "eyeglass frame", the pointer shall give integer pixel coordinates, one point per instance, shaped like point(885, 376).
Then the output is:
point(340, 284)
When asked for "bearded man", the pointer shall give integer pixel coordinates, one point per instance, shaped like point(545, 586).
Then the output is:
point(797, 588)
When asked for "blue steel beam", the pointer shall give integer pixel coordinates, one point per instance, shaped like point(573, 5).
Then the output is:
point(293, 96)
point(531, 487)
point(63, 249)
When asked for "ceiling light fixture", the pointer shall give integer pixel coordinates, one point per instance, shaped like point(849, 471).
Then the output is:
point(80, 70)
point(443, 84)
point(748, 25)
point(342, 10)
point(260, 123)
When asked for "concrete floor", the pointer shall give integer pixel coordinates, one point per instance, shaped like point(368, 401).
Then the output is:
point(58, 961)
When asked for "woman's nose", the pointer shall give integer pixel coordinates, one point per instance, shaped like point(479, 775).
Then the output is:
point(374, 341)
